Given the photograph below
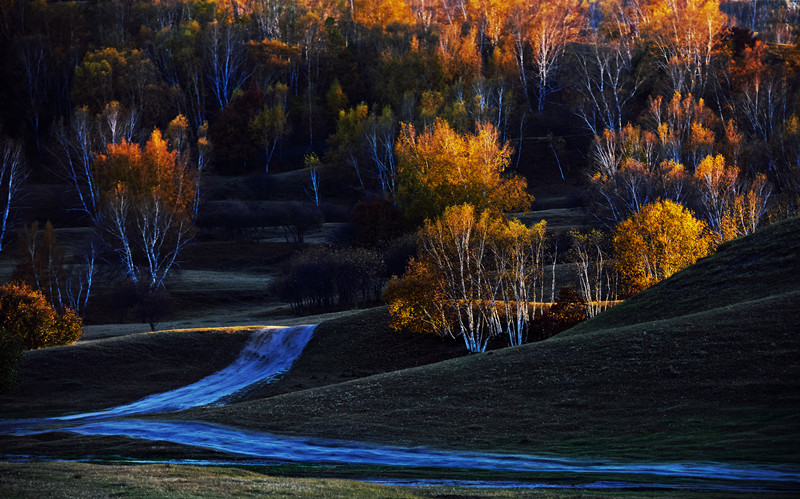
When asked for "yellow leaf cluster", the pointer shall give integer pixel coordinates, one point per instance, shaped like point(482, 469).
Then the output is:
point(661, 239)
point(439, 167)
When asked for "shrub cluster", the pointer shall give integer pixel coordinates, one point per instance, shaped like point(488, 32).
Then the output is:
point(243, 221)
point(27, 315)
point(325, 279)
point(568, 310)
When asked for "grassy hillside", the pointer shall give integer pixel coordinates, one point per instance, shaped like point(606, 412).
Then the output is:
point(703, 366)
point(764, 266)
point(98, 374)
point(355, 346)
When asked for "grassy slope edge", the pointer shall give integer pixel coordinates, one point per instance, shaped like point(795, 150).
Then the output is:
point(102, 373)
point(704, 366)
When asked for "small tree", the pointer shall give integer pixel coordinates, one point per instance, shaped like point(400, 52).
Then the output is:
point(314, 165)
point(661, 239)
point(148, 197)
point(26, 313)
point(44, 266)
point(271, 124)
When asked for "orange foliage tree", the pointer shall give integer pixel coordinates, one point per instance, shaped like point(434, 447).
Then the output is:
point(661, 239)
point(26, 314)
point(439, 167)
point(148, 196)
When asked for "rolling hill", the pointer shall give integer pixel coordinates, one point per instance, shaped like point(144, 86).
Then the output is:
point(703, 366)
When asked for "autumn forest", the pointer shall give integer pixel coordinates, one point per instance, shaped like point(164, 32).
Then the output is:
point(425, 127)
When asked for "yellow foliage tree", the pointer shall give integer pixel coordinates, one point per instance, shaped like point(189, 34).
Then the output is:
point(476, 276)
point(661, 239)
point(416, 301)
point(439, 167)
point(683, 33)
point(733, 206)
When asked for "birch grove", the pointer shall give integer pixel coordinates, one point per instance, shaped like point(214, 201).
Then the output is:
point(476, 277)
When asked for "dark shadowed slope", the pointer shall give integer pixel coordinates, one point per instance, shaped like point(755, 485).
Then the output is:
point(97, 374)
point(763, 266)
point(703, 366)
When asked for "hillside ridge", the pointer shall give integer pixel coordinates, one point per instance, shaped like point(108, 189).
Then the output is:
point(717, 381)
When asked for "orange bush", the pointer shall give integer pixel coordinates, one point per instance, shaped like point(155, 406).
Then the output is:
point(26, 314)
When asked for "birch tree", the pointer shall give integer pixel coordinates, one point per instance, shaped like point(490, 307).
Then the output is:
point(65, 280)
point(456, 245)
point(271, 124)
point(476, 276)
point(147, 197)
point(607, 81)
point(225, 59)
point(77, 142)
point(684, 33)
point(733, 206)
point(518, 266)
point(13, 174)
point(380, 132)
point(552, 27)
point(594, 268)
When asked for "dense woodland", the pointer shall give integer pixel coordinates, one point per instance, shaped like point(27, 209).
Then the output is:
point(678, 119)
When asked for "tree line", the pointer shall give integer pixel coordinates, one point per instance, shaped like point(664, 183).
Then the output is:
point(689, 107)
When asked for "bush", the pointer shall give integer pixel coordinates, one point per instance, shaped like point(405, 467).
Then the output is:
point(661, 239)
point(297, 219)
point(398, 253)
point(26, 314)
point(568, 310)
point(238, 220)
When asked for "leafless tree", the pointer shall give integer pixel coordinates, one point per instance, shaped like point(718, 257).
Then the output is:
point(225, 60)
point(607, 83)
point(13, 174)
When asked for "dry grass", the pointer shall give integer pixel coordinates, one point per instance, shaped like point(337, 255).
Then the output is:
point(84, 480)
